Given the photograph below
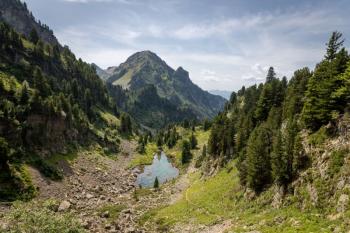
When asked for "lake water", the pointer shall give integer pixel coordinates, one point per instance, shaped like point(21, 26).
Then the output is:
point(161, 168)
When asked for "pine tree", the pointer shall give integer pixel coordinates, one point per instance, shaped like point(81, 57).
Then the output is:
point(186, 155)
point(271, 75)
point(33, 36)
point(334, 44)
point(193, 141)
point(156, 183)
point(279, 161)
point(204, 151)
point(206, 125)
point(25, 93)
point(125, 124)
point(319, 106)
point(258, 158)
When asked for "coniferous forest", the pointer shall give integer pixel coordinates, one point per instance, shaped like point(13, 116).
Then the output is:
point(263, 126)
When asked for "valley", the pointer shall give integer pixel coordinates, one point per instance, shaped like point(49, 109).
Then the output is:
point(140, 147)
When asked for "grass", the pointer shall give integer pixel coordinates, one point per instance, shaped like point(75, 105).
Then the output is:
point(204, 202)
point(146, 158)
point(39, 217)
point(113, 210)
point(56, 158)
point(215, 199)
point(109, 118)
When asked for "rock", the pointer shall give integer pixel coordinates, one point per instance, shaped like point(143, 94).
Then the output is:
point(89, 196)
point(313, 194)
point(108, 226)
point(4, 227)
point(65, 205)
point(278, 197)
point(343, 203)
point(86, 224)
point(126, 211)
point(105, 214)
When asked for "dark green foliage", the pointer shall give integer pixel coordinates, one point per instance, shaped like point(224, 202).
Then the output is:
point(4, 153)
point(125, 124)
point(258, 158)
point(46, 98)
point(201, 157)
point(156, 183)
point(206, 125)
point(262, 126)
point(47, 169)
point(141, 144)
point(33, 36)
point(280, 163)
point(335, 43)
point(272, 96)
point(295, 93)
point(186, 154)
point(337, 161)
point(271, 75)
point(204, 151)
point(25, 93)
point(319, 106)
point(221, 140)
point(167, 136)
point(193, 141)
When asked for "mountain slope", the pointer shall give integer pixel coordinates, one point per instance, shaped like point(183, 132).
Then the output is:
point(16, 14)
point(50, 103)
point(146, 68)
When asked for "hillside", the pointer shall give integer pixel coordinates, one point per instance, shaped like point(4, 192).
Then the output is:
point(50, 103)
point(146, 68)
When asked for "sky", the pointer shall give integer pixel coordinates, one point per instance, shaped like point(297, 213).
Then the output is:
point(224, 44)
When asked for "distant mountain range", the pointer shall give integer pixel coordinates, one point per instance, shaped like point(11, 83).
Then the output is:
point(222, 93)
point(173, 87)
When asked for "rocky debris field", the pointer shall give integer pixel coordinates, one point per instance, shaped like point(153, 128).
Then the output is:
point(101, 191)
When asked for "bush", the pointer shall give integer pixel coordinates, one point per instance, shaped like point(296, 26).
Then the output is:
point(337, 161)
point(31, 217)
point(319, 137)
point(47, 169)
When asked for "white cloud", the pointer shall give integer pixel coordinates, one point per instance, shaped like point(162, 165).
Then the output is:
point(89, 1)
point(239, 51)
point(86, 1)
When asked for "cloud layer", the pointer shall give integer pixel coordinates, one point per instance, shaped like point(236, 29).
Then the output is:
point(223, 45)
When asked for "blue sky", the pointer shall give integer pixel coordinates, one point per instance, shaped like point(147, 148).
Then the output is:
point(224, 44)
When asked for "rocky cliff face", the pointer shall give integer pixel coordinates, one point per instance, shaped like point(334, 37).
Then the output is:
point(16, 14)
point(325, 184)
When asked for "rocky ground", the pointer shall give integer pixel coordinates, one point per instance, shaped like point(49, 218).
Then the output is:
point(101, 191)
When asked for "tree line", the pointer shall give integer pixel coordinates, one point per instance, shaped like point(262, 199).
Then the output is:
point(261, 125)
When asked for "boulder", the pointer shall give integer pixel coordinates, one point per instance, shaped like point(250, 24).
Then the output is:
point(65, 205)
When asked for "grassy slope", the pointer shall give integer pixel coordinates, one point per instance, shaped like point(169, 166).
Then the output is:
point(207, 202)
point(211, 201)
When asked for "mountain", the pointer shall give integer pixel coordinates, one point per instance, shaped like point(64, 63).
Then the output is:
point(16, 14)
point(222, 93)
point(100, 72)
point(50, 103)
point(146, 68)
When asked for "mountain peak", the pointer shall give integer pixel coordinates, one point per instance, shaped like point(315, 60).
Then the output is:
point(143, 56)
